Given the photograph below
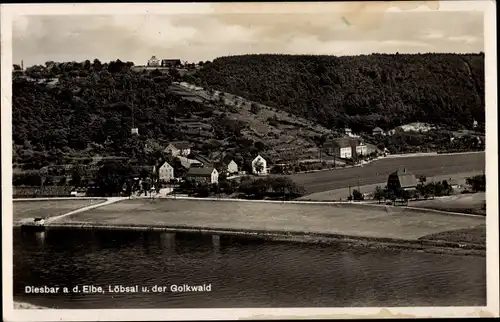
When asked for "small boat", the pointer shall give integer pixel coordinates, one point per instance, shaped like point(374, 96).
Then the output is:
point(38, 224)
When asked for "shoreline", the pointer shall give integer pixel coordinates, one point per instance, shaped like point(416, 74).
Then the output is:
point(27, 306)
point(421, 244)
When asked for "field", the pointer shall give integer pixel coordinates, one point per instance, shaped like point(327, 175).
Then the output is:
point(343, 193)
point(48, 208)
point(465, 203)
point(378, 171)
point(476, 235)
point(346, 219)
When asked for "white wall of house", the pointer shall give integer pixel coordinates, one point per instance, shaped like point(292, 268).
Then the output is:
point(154, 61)
point(362, 150)
point(264, 165)
point(215, 176)
point(232, 167)
point(346, 152)
point(166, 172)
point(174, 151)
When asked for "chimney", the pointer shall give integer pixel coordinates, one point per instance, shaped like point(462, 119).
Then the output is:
point(22, 65)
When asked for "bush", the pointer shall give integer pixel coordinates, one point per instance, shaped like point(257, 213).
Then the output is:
point(356, 195)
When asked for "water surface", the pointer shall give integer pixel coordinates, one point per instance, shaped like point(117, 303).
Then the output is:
point(241, 273)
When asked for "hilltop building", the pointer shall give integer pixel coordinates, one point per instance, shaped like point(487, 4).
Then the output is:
point(153, 62)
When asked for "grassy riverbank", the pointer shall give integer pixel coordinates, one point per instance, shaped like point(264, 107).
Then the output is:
point(475, 235)
point(49, 208)
point(465, 203)
point(354, 220)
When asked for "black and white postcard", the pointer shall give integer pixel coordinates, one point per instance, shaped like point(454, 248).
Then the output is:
point(192, 161)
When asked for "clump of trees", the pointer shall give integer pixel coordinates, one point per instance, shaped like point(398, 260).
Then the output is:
point(271, 187)
point(359, 92)
point(477, 183)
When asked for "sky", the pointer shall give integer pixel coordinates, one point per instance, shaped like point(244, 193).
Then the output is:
point(211, 33)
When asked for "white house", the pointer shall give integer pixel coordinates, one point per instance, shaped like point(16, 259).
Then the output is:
point(259, 160)
point(166, 172)
point(178, 148)
point(232, 167)
point(361, 149)
point(153, 61)
point(208, 175)
point(343, 148)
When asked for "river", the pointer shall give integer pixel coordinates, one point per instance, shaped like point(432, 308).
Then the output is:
point(242, 273)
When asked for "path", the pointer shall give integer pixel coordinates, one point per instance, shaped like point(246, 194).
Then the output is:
point(109, 201)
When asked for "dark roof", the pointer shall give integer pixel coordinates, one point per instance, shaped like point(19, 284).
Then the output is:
point(200, 172)
point(344, 143)
point(201, 158)
point(406, 179)
point(181, 145)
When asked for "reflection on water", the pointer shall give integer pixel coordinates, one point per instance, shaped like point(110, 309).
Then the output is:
point(243, 272)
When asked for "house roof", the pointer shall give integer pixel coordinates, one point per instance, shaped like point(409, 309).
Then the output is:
point(201, 158)
point(200, 172)
point(406, 179)
point(344, 143)
point(181, 145)
point(378, 129)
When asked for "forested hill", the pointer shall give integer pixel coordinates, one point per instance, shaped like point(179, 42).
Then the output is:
point(358, 91)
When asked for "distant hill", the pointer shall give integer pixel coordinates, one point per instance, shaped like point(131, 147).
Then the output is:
point(358, 91)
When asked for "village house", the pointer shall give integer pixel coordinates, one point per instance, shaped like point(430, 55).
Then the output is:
point(361, 149)
point(166, 172)
point(232, 167)
point(377, 131)
point(153, 62)
point(259, 165)
point(178, 149)
point(347, 131)
point(208, 175)
point(454, 184)
point(343, 148)
point(400, 181)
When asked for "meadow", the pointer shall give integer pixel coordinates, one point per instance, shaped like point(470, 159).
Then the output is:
point(378, 171)
point(342, 219)
point(48, 208)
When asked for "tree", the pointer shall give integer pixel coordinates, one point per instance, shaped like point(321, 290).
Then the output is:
point(422, 178)
point(379, 193)
point(76, 175)
point(477, 183)
point(111, 176)
point(356, 195)
point(255, 108)
point(259, 166)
